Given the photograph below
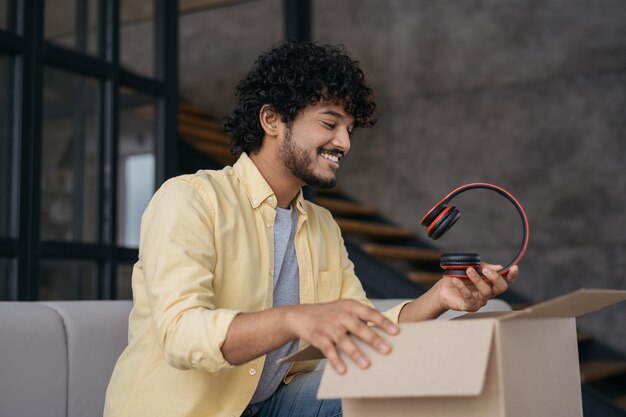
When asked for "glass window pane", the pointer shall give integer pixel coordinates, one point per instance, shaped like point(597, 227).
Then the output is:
point(3, 14)
point(68, 280)
point(124, 282)
point(7, 15)
point(136, 175)
point(137, 36)
point(73, 24)
point(8, 288)
point(69, 181)
point(6, 148)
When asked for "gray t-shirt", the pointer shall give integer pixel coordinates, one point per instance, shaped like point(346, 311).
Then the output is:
point(286, 292)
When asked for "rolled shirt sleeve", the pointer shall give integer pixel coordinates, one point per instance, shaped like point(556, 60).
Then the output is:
point(178, 256)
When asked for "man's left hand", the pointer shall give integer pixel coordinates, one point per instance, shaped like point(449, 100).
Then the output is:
point(472, 293)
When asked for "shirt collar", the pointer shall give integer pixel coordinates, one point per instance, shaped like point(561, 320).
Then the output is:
point(255, 185)
point(299, 202)
point(257, 189)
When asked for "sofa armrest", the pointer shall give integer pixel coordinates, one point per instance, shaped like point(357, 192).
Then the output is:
point(33, 361)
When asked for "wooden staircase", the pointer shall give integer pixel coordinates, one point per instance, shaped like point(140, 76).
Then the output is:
point(399, 246)
point(196, 127)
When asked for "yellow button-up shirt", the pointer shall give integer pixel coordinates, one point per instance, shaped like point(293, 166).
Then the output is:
point(206, 255)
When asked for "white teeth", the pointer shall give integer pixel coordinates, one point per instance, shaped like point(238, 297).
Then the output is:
point(330, 157)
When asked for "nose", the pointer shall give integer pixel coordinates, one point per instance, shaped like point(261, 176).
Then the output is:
point(342, 140)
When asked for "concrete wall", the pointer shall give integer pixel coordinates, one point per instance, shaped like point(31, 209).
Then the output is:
point(530, 95)
point(527, 94)
point(218, 46)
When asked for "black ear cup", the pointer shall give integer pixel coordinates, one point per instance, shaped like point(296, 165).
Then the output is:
point(455, 264)
point(455, 259)
point(432, 214)
point(444, 223)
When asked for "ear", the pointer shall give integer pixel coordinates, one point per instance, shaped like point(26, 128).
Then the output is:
point(270, 120)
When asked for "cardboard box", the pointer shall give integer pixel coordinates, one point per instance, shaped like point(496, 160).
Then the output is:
point(514, 364)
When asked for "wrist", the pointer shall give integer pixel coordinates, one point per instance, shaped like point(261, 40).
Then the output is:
point(289, 316)
point(426, 307)
point(433, 300)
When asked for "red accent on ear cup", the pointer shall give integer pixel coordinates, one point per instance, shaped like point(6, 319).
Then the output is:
point(444, 222)
point(455, 273)
point(455, 264)
point(432, 214)
point(431, 226)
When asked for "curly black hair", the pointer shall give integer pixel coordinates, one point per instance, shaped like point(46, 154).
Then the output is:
point(291, 76)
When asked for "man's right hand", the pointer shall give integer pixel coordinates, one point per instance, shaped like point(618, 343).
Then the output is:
point(328, 327)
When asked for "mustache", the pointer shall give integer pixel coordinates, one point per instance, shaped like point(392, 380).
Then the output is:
point(332, 151)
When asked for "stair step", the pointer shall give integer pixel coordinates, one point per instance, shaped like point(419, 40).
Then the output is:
point(520, 306)
point(596, 370)
point(200, 133)
point(219, 152)
point(584, 337)
point(373, 230)
point(194, 109)
point(621, 401)
point(342, 207)
point(405, 253)
point(424, 278)
point(203, 122)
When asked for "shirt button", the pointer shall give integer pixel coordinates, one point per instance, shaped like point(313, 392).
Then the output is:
point(252, 371)
point(268, 225)
point(271, 199)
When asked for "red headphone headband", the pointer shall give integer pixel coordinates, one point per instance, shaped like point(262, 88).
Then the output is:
point(504, 193)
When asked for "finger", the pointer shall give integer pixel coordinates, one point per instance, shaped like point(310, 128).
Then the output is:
point(483, 288)
point(346, 344)
point(369, 336)
point(484, 265)
point(499, 284)
point(469, 301)
point(327, 347)
point(461, 287)
point(371, 315)
point(512, 274)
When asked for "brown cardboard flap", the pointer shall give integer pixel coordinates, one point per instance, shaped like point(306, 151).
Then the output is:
point(431, 358)
point(573, 304)
point(482, 315)
point(308, 354)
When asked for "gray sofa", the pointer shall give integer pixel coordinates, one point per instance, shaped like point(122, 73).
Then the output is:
point(56, 358)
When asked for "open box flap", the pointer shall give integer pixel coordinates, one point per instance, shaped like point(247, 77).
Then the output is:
point(574, 304)
point(308, 354)
point(431, 358)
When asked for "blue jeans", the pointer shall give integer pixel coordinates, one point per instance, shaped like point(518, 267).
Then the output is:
point(296, 399)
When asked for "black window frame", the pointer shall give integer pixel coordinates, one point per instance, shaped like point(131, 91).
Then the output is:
point(31, 53)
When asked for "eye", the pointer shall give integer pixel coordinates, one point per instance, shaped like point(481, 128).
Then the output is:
point(328, 125)
point(350, 130)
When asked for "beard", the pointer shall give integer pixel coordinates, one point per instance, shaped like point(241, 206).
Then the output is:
point(299, 162)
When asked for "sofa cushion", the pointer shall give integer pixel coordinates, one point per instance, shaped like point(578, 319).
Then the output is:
point(492, 305)
point(97, 333)
point(33, 361)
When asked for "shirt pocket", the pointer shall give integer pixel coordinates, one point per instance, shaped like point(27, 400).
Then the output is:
point(329, 286)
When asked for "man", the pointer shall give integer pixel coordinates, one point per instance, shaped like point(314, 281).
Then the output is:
point(236, 269)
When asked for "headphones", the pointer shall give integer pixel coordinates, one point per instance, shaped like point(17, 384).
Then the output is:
point(442, 217)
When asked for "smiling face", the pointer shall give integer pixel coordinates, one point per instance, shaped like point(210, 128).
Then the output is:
point(313, 145)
